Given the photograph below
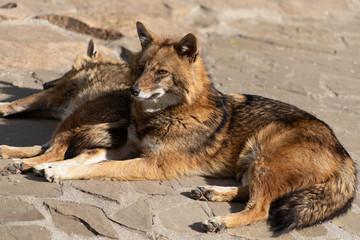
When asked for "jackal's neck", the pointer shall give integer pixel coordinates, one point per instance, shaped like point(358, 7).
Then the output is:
point(200, 85)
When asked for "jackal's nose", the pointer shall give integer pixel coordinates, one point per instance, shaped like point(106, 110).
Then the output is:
point(135, 90)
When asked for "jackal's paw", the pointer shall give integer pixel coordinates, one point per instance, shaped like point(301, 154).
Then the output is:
point(212, 225)
point(201, 193)
point(3, 107)
point(39, 169)
point(55, 174)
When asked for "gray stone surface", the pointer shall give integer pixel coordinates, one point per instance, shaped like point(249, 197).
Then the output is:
point(93, 217)
point(185, 217)
point(13, 210)
point(70, 224)
point(349, 222)
point(109, 190)
point(315, 231)
point(28, 232)
point(28, 185)
point(257, 230)
point(306, 53)
point(153, 187)
point(137, 215)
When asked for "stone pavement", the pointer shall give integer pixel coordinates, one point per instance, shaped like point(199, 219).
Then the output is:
point(306, 53)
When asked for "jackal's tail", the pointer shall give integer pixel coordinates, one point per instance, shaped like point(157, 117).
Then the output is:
point(313, 205)
point(104, 135)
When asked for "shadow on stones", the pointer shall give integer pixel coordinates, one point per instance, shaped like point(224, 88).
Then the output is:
point(26, 132)
point(9, 5)
point(76, 25)
point(15, 92)
point(196, 227)
point(33, 177)
point(186, 194)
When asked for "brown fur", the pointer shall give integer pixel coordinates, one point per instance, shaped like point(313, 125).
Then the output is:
point(294, 171)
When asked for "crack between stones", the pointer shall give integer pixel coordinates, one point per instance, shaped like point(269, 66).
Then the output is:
point(87, 225)
point(207, 211)
point(127, 227)
point(97, 195)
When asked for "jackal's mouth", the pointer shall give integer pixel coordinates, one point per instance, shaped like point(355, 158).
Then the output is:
point(142, 96)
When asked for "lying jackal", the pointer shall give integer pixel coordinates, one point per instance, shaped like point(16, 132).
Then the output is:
point(293, 170)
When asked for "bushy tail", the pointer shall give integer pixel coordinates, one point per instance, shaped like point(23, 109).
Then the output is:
point(310, 206)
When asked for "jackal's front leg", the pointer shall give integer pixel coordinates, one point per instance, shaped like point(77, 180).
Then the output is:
point(134, 169)
point(36, 101)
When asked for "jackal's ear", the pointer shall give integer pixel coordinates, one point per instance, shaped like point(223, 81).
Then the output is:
point(187, 47)
point(145, 36)
point(92, 51)
point(127, 55)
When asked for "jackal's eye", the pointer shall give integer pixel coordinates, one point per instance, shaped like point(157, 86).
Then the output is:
point(139, 71)
point(161, 72)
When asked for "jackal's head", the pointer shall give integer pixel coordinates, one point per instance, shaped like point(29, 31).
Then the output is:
point(167, 71)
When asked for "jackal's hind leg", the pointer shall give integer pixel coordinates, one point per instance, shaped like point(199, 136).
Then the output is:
point(221, 194)
point(245, 217)
point(8, 152)
point(257, 209)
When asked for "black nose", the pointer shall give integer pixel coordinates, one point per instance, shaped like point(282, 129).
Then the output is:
point(135, 90)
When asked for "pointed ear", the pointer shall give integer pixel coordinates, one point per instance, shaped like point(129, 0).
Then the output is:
point(92, 51)
point(127, 55)
point(145, 36)
point(187, 47)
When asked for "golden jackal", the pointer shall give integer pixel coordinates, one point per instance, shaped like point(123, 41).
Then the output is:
point(293, 170)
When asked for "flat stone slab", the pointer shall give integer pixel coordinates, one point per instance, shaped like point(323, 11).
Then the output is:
point(136, 216)
point(28, 232)
point(314, 231)
point(111, 190)
point(257, 230)
point(153, 187)
point(12, 210)
point(184, 217)
point(94, 217)
point(28, 185)
point(70, 224)
point(350, 222)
